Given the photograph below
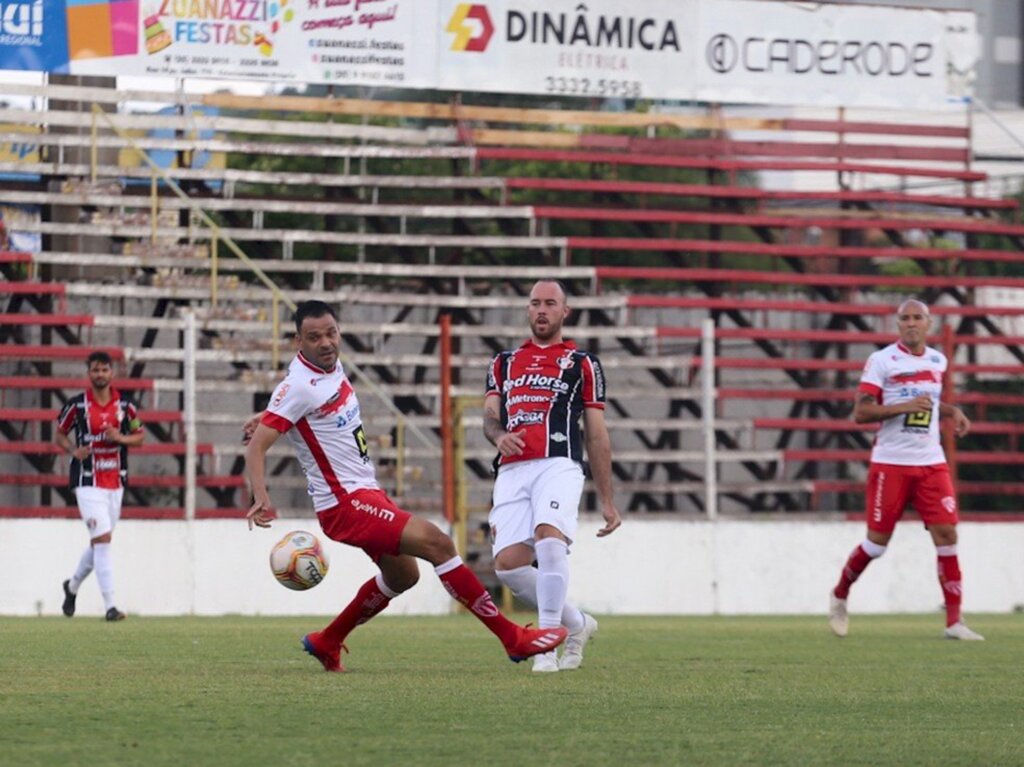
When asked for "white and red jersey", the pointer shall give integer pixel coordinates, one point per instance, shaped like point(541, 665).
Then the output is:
point(319, 413)
point(543, 391)
point(106, 466)
point(893, 375)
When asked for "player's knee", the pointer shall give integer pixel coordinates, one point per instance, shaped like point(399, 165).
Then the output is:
point(873, 549)
point(404, 579)
point(437, 547)
point(105, 538)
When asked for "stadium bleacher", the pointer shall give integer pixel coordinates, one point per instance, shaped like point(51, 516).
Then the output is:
point(402, 211)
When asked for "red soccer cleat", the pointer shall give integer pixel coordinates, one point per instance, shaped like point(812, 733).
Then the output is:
point(331, 659)
point(530, 642)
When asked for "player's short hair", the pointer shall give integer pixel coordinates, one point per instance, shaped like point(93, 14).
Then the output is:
point(98, 356)
point(561, 286)
point(903, 305)
point(313, 309)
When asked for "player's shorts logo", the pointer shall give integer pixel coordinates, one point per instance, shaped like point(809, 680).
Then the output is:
point(470, 36)
point(949, 504)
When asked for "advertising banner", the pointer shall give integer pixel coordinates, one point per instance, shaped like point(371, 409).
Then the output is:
point(606, 48)
point(835, 55)
point(726, 51)
point(372, 42)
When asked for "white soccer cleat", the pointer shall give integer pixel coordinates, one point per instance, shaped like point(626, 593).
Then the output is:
point(572, 653)
point(959, 631)
point(838, 619)
point(545, 663)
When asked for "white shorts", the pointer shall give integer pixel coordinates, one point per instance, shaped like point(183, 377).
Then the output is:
point(545, 491)
point(100, 508)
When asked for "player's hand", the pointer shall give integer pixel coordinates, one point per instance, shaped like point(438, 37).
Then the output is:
point(249, 428)
point(612, 520)
point(81, 453)
point(920, 404)
point(261, 512)
point(510, 443)
point(961, 423)
point(112, 434)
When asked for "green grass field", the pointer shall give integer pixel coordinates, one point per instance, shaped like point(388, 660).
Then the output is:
point(438, 691)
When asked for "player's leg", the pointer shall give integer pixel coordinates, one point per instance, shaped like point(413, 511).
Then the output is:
point(102, 556)
point(397, 574)
point(935, 501)
point(513, 536)
point(885, 498)
point(87, 508)
point(423, 540)
point(555, 500)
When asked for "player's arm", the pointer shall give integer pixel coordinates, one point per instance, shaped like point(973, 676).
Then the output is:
point(65, 444)
point(249, 427)
point(261, 511)
point(961, 423)
point(508, 443)
point(867, 408)
point(599, 453)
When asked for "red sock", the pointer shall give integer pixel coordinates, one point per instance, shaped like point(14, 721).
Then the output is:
point(368, 602)
point(949, 579)
point(466, 588)
point(859, 559)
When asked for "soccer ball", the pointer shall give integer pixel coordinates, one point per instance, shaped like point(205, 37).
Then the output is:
point(298, 561)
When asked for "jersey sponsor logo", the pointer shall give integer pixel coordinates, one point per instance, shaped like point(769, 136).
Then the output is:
point(337, 401)
point(536, 381)
point(916, 376)
point(344, 419)
point(374, 511)
point(520, 399)
point(558, 437)
point(105, 464)
point(282, 390)
point(917, 421)
point(525, 419)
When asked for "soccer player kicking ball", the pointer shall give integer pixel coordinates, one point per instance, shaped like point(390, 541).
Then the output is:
point(901, 387)
point(316, 407)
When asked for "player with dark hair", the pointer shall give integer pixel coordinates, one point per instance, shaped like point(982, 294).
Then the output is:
point(901, 388)
point(536, 395)
point(316, 407)
point(105, 424)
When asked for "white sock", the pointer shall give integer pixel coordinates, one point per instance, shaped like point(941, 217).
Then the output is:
point(523, 582)
point(104, 572)
point(552, 580)
point(82, 572)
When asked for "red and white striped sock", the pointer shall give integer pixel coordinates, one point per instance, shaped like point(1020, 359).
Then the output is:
point(858, 561)
point(949, 580)
point(465, 587)
point(372, 597)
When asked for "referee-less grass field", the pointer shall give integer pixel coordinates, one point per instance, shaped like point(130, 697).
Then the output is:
point(437, 691)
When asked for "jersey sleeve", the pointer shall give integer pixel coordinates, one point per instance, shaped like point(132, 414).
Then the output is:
point(593, 383)
point(66, 417)
point(287, 407)
point(873, 378)
point(494, 377)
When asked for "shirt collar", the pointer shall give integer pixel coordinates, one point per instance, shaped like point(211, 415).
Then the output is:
point(315, 368)
point(528, 343)
point(905, 350)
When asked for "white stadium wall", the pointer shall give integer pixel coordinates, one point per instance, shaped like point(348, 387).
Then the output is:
point(218, 567)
